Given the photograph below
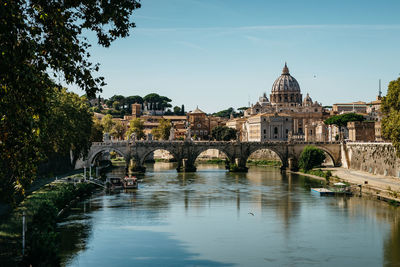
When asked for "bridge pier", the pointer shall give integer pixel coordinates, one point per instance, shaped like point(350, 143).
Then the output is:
point(135, 166)
point(293, 166)
point(186, 165)
point(239, 165)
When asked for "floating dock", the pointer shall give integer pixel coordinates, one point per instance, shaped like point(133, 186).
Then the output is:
point(323, 191)
point(328, 192)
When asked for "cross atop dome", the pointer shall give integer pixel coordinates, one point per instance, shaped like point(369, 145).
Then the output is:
point(285, 70)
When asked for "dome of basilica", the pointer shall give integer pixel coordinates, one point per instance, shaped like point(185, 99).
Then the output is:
point(285, 83)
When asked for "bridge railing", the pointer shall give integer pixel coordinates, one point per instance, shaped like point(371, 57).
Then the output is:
point(206, 142)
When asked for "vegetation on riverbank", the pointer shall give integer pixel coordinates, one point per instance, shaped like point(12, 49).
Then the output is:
point(318, 172)
point(42, 208)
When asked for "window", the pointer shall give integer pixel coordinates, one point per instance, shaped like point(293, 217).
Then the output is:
point(287, 131)
point(276, 130)
point(265, 131)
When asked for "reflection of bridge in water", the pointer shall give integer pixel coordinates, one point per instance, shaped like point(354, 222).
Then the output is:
point(186, 153)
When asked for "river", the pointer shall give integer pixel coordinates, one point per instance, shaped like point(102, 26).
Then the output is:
point(216, 218)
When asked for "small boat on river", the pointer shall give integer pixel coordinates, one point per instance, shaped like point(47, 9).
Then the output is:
point(338, 189)
point(130, 182)
point(114, 183)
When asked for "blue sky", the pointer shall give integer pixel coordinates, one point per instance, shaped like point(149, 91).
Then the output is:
point(222, 53)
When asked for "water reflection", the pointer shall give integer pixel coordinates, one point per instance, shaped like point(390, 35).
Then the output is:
point(216, 218)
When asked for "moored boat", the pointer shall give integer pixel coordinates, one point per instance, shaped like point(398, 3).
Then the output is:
point(130, 182)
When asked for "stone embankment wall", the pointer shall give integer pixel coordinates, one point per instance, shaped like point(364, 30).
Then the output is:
point(375, 158)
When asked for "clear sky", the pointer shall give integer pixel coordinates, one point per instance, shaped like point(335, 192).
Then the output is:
point(225, 53)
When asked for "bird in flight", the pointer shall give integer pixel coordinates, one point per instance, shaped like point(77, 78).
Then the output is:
point(251, 213)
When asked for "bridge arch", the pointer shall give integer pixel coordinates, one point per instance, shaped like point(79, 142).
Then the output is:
point(329, 153)
point(198, 151)
point(141, 158)
point(282, 156)
point(100, 151)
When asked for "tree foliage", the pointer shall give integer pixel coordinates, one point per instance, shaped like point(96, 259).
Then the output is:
point(118, 130)
point(136, 126)
point(67, 125)
point(97, 131)
point(311, 157)
point(342, 119)
point(226, 113)
point(41, 46)
point(108, 123)
point(163, 130)
point(223, 133)
point(391, 111)
point(157, 102)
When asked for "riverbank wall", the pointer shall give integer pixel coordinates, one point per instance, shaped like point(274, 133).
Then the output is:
point(374, 158)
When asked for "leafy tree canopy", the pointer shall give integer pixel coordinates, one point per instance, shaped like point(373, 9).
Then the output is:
point(136, 126)
point(342, 119)
point(391, 110)
point(223, 133)
point(118, 130)
point(107, 123)
point(42, 42)
point(226, 113)
point(311, 157)
point(163, 130)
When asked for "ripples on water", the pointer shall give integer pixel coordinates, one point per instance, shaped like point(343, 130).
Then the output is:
point(206, 219)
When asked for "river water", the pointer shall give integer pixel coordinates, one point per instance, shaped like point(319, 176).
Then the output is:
point(216, 218)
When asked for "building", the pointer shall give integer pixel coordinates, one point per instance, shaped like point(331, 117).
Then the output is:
point(237, 124)
point(264, 127)
point(361, 131)
point(136, 110)
point(286, 98)
point(355, 107)
point(316, 132)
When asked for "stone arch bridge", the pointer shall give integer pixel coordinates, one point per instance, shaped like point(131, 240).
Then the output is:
point(186, 152)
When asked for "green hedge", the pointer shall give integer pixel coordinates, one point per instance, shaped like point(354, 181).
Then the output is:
point(41, 208)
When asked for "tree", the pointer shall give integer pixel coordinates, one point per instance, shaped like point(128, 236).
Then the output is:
point(226, 113)
point(118, 130)
point(41, 41)
point(157, 102)
point(311, 157)
point(116, 105)
point(67, 126)
point(342, 120)
point(177, 110)
point(136, 126)
point(223, 133)
point(99, 103)
point(108, 123)
point(391, 111)
point(183, 110)
point(163, 130)
point(97, 131)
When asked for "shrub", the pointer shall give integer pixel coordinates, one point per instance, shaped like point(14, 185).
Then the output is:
point(311, 157)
